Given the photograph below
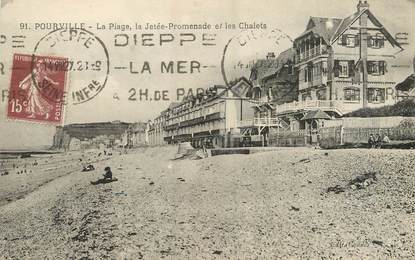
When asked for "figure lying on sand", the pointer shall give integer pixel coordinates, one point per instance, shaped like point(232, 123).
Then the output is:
point(88, 168)
point(107, 177)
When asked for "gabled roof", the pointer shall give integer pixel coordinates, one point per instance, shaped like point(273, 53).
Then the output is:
point(348, 21)
point(235, 88)
point(266, 67)
point(322, 26)
point(330, 29)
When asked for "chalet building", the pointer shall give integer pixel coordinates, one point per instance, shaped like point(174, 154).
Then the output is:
point(347, 61)
point(274, 79)
point(210, 119)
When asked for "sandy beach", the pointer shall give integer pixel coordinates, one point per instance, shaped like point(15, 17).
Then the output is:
point(291, 203)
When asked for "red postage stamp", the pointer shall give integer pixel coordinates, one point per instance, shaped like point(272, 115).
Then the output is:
point(37, 88)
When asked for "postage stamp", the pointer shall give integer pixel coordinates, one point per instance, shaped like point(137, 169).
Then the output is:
point(36, 89)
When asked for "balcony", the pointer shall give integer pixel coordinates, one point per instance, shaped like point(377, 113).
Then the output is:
point(213, 116)
point(171, 127)
point(325, 105)
point(317, 81)
point(259, 122)
point(311, 53)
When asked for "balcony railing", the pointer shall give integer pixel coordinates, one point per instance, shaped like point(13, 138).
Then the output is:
point(259, 121)
point(308, 105)
point(311, 53)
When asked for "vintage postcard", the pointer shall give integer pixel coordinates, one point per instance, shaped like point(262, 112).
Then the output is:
point(202, 129)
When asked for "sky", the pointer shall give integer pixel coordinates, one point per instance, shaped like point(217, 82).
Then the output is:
point(288, 17)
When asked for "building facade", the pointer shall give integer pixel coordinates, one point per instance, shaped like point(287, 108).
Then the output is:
point(336, 66)
point(211, 119)
point(350, 61)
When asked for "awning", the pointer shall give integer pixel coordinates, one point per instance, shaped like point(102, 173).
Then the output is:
point(316, 114)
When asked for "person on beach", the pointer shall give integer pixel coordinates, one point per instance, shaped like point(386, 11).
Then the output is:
point(386, 139)
point(378, 141)
point(107, 177)
point(371, 141)
point(108, 173)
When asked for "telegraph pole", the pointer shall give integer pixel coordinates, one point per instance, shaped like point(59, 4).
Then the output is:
point(363, 48)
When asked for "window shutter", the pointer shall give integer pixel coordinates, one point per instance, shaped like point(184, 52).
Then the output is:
point(351, 68)
point(382, 42)
point(382, 67)
point(357, 40)
point(336, 68)
point(344, 39)
point(340, 41)
point(369, 67)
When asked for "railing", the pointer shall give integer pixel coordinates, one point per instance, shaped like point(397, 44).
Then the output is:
point(309, 104)
point(263, 121)
point(311, 53)
point(266, 121)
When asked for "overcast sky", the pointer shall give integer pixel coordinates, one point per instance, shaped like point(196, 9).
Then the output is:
point(288, 16)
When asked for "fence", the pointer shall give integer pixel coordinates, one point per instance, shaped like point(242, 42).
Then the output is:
point(337, 135)
point(287, 138)
point(361, 135)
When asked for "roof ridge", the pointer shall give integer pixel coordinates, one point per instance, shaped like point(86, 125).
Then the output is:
point(326, 17)
point(338, 28)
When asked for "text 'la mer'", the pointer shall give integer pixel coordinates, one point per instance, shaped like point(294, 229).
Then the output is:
point(180, 67)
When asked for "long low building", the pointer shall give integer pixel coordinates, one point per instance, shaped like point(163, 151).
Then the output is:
point(212, 119)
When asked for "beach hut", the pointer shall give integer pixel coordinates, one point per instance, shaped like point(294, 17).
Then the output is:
point(314, 120)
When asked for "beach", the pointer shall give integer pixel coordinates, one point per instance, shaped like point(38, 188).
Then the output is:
point(290, 203)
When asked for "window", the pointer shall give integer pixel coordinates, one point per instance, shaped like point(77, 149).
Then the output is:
point(343, 69)
point(306, 96)
point(376, 67)
point(376, 95)
point(324, 68)
point(348, 40)
point(317, 69)
point(305, 74)
point(310, 73)
point(321, 94)
point(376, 41)
point(352, 94)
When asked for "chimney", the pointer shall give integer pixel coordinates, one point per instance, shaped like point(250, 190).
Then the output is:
point(270, 55)
point(362, 5)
